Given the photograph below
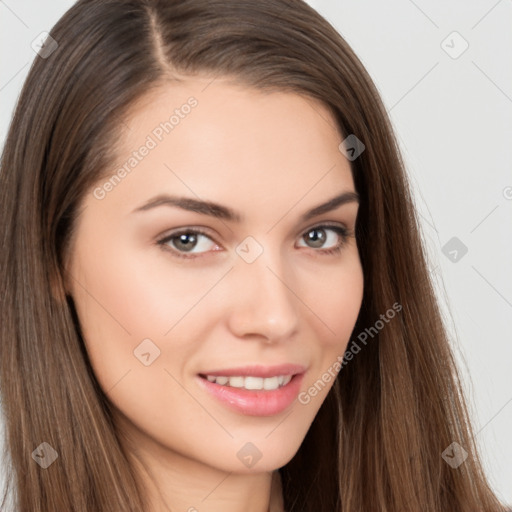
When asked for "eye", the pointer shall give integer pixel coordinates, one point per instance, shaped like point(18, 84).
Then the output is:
point(183, 243)
point(317, 236)
point(185, 240)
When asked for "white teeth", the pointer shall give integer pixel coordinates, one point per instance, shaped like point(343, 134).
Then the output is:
point(272, 383)
point(236, 382)
point(252, 383)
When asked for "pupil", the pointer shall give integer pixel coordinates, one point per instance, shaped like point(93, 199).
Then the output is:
point(317, 239)
point(182, 239)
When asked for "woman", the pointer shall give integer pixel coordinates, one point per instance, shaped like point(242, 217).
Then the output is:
point(297, 361)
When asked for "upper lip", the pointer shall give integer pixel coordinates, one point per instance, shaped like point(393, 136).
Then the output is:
point(258, 371)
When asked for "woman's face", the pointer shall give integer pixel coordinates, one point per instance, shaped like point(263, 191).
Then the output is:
point(160, 304)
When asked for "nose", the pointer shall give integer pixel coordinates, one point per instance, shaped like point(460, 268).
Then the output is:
point(263, 303)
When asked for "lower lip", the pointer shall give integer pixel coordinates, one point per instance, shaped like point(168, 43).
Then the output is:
point(256, 402)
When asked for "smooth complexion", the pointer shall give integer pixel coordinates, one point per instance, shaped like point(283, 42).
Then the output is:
point(270, 157)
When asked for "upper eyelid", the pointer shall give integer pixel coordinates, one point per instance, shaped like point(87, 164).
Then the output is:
point(205, 230)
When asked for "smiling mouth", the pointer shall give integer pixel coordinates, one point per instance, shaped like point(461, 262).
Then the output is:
point(255, 390)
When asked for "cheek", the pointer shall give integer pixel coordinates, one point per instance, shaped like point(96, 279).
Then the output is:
point(338, 304)
point(337, 301)
point(125, 309)
point(132, 303)
point(120, 302)
point(128, 294)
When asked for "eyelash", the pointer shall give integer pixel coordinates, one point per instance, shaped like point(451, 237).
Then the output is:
point(342, 231)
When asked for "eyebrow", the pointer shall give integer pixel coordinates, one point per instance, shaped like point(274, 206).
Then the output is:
point(223, 212)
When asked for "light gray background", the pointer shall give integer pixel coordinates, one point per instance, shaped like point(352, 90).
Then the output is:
point(453, 118)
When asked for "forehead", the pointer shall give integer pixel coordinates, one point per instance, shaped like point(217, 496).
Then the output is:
point(230, 144)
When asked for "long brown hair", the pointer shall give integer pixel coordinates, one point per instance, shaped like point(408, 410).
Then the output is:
point(395, 407)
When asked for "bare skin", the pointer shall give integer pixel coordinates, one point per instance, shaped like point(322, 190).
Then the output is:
point(270, 157)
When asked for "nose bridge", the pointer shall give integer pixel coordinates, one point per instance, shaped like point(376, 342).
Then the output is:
point(263, 302)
